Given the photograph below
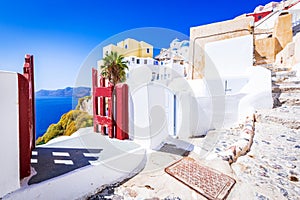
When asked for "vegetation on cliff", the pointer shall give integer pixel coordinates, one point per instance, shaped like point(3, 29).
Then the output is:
point(68, 124)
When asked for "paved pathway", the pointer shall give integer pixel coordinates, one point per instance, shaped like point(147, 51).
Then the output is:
point(79, 166)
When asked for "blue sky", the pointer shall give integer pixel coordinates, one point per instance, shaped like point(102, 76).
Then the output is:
point(61, 33)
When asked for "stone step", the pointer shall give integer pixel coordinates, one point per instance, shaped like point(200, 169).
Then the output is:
point(284, 74)
point(285, 88)
point(290, 99)
point(288, 116)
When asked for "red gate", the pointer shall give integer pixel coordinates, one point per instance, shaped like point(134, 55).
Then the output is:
point(110, 107)
point(26, 115)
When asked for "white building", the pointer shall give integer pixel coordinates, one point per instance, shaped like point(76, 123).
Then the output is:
point(163, 70)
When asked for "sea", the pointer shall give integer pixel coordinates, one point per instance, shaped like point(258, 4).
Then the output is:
point(49, 111)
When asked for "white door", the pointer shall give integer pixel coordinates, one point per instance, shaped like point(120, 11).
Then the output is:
point(153, 114)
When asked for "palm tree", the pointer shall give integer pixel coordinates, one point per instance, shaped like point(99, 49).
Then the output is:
point(114, 67)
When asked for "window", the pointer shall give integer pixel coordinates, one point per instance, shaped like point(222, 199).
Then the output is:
point(126, 46)
point(148, 50)
point(153, 76)
point(145, 62)
point(137, 61)
point(132, 59)
point(259, 17)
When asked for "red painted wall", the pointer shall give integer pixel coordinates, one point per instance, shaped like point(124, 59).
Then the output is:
point(259, 16)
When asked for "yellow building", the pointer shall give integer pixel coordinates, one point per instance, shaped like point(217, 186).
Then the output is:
point(130, 47)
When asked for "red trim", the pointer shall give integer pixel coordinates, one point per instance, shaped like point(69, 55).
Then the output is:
point(103, 91)
point(28, 71)
point(259, 16)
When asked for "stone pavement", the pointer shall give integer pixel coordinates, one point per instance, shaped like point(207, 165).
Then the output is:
point(270, 170)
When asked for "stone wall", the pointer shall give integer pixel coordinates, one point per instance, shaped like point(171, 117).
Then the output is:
point(283, 31)
point(297, 49)
point(267, 48)
point(285, 57)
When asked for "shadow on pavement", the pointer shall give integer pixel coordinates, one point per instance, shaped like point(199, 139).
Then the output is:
point(53, 162)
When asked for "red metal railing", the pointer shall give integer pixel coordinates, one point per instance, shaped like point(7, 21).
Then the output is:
point(110, 107)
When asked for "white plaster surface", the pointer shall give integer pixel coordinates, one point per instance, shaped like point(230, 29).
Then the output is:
point(297, 48)
point(235, 88)
point(231, 56)
point(295, 7)
point(9, 131)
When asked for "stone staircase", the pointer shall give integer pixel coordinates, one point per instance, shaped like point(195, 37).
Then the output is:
point(285, 87)
point(286, 96)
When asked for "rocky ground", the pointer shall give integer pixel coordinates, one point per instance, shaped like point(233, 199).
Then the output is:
point(270, 170)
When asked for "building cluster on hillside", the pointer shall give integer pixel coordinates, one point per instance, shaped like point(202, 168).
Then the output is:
point(271, 31)
point(170, 63)
point(225, 58)
point(214, 80)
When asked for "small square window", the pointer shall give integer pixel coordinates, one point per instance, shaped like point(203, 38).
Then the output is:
point(126, 46)
point(137, 61)
point(145, 62)
point(148, 50)
point(132, 59)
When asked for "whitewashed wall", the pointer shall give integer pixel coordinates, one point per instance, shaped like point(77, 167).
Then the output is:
point(245, 88)
point(230, 57)
point(295, 7)
point(9, 132)
point(203, 104)
point(258, 92)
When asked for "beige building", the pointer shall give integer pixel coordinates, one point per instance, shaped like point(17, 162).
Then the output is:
point(130, 47)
